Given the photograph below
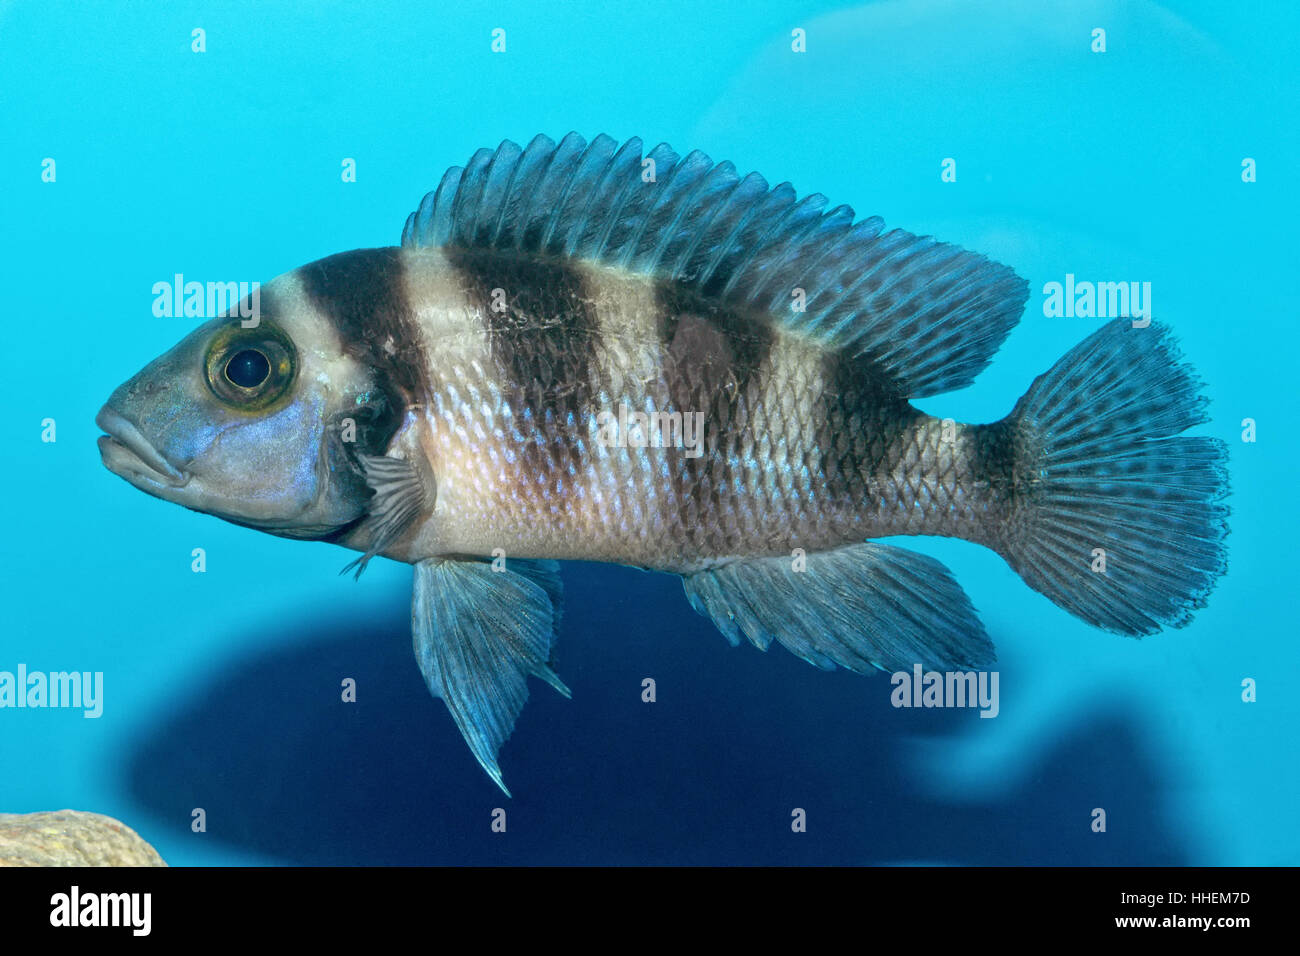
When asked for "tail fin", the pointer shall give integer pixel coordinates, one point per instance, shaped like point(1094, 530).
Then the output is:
point(1102, 465)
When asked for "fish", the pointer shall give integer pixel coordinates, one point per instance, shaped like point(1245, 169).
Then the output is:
point(585, 351)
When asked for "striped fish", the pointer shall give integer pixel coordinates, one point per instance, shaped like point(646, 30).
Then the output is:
point(583, 352)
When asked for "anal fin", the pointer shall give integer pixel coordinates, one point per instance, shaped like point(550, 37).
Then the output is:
point(478, 635)
point(862, 606)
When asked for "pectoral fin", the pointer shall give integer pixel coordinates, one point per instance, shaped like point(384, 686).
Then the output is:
point(479, 634)
point(401, 494)
point(861, 606)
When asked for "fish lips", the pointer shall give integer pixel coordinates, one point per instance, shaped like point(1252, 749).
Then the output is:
point(128, 454)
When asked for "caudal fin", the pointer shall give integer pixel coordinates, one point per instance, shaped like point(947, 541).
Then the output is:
point(1119, 518)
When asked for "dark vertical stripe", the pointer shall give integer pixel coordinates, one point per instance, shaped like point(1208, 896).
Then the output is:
point(709, 341)
point(363, 293)
point(999, 468)
point(864, 429)
point(544, 335)
point(713, 357)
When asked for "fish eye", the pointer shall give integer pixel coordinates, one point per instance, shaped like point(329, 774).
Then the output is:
point(251, 369)
point(248, 369)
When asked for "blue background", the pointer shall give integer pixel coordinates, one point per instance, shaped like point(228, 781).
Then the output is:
point(222, 689)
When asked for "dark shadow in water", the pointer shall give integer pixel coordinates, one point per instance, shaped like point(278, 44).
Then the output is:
point(706, 775)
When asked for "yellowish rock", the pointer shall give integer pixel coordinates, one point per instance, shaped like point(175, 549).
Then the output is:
point(71, 838)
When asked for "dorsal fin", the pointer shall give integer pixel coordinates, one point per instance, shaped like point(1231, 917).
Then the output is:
point(930, 313)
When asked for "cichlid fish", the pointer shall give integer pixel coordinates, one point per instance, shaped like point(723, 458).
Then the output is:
point(579, 354)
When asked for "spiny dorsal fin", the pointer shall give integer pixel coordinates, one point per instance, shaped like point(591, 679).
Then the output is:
point(931, 313)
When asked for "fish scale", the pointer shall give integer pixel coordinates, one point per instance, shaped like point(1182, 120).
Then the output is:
point(785, 464)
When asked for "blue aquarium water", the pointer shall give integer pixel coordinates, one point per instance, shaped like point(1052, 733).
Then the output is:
point(129, 157)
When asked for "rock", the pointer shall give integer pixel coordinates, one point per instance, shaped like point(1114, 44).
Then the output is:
point(71, 838)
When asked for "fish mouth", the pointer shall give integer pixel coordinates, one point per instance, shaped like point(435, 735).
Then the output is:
point(128, 454)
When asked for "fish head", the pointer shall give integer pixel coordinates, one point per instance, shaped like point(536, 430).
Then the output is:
point(254, 420)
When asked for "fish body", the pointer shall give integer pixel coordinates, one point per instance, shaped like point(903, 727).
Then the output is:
point(799, 446)
point(696, 375)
